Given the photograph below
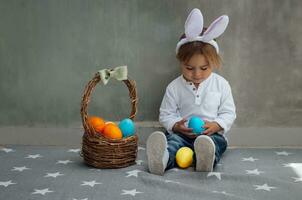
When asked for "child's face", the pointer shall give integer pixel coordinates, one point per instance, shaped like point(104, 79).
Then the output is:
point(196, 69)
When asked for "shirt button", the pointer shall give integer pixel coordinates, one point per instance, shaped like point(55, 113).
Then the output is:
point(194, 89)
point(197, 96)
point(191, 83)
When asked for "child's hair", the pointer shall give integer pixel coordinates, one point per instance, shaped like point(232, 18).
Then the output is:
point(186, 51)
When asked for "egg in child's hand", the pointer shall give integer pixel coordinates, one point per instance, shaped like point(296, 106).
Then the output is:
point(196, 124)
point(127, 127)
point(97, 123)
point(184, 157)
point(112, 131)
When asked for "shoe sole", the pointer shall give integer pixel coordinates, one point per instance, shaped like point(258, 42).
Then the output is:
point(155, 153)
point(205, 153)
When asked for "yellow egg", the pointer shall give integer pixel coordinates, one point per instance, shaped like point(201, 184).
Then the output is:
point(184, 157)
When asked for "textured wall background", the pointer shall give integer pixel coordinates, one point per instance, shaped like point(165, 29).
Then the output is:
point(50, 49)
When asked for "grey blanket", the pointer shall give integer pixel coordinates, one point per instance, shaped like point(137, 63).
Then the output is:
point(31, 172)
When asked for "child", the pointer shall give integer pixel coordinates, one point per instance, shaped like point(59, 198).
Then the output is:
point(197, 92)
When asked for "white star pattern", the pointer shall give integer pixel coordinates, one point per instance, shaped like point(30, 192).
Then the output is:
point(7, 150)
point(251, 159)
point(7, 183)
point(275, 186)
point(141, 148)
point(42, 192)
point(222, 192)
point(97, 170)
point(297, 179)
point(282, 153)
point(254, 172)
point(217, 174)
point(90, 183)
point(53, 175)
point(65, 162)
point(296, 166)
point(20, 169)
point(264, 187)
point(139, 162)
point(288, 165)
point(130, 192)
point(170, 181)
point(133, 173)
point(74, 150)
point(34, 156)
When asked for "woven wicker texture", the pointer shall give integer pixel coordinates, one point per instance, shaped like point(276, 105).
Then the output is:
point(101, 152)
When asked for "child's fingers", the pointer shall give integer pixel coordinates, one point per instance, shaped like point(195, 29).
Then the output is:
point(187, 130)
point(182, 121)
point(207, 125)
point(207, 131)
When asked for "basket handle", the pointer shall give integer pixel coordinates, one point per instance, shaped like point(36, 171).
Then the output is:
point(131, 84)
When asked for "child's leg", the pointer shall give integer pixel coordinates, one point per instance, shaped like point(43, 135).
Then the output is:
point(204, 149)
point(208, 151)
point(220, 146)
point(157, 153)
point(161, 150)
point(175, 142)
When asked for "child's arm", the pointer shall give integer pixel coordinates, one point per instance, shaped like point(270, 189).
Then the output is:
point(168, 114)
point(226, 111)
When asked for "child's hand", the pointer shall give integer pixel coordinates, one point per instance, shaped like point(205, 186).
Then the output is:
point(180, 127)
point(211, 127)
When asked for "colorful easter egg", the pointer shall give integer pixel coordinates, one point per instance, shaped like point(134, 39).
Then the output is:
point(112, 131)
point(184, 157)
point(97, 123)
point(196, 124)
point(127, 127)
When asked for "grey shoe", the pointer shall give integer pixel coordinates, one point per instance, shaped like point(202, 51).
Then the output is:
point(157, 153)
point(205, 153)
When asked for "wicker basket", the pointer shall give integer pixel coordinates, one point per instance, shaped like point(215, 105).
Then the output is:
point(101, 152)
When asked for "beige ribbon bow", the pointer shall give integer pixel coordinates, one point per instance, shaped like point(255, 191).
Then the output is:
point(119, 73)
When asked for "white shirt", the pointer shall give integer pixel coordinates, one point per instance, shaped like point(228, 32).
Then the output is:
point(211, 101)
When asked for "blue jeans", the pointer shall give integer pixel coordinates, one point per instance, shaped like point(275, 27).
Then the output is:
point(176, 141)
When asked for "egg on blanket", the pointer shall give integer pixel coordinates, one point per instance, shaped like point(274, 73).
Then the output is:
point(184, 157)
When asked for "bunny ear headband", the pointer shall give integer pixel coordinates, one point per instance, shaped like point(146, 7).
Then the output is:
point(194, 27)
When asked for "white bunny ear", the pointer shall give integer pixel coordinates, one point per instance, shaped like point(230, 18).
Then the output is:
point(216, 28)
point(194, 24)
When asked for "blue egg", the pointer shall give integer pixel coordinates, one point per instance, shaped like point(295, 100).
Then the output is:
point(127, 127)
point(196, 124)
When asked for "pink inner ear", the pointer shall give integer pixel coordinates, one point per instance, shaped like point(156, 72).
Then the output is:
point(213, 25)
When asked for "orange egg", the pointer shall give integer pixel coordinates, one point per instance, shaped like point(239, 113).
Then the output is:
point(112, 131)
point(97, 123)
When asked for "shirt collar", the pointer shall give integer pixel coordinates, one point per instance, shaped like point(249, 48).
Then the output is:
point(191, 83)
